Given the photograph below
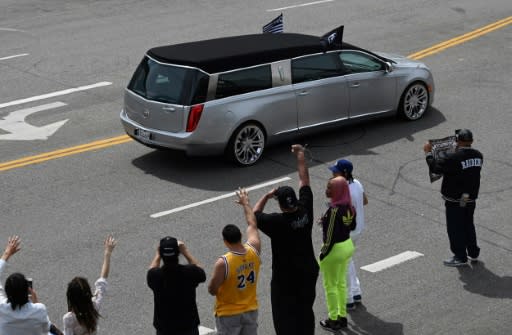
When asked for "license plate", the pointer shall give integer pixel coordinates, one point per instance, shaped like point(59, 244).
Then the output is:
point(143, 134)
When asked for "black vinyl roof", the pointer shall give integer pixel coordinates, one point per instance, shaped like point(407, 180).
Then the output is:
point(228, 53)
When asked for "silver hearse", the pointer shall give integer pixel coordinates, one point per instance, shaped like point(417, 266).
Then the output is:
point(236, 95)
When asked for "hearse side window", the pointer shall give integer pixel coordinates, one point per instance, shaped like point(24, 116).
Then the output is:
point(199, 87)
point(356, 62)
point(169, 84)
point(315, 67)
point(243, 81)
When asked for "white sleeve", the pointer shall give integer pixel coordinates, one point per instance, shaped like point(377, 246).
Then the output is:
point(101, 286)
point(68, 322)
point(3, 297)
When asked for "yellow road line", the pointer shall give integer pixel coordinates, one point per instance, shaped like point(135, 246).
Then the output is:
point(64, 152)
point(125, 138)
point(461, 39)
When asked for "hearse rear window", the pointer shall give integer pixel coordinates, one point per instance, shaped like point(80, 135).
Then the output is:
point(244, 81)
point(168, 83)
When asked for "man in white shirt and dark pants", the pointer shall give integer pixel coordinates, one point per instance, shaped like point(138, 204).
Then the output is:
point(344, 168)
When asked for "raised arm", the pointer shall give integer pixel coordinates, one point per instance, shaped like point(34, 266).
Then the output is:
point(12, 247)
point(260, 204)
point(302, 168)
point(253, 236)
point(109, 245)
point(188, 256)
point(155, 263)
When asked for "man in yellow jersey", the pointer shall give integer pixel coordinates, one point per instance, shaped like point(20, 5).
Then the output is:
point(235, 276)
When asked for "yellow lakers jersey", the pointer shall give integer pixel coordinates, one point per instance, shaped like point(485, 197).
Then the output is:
point(237, 294)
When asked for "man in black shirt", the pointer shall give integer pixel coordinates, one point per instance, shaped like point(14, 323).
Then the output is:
point(461, 182)
point(174, 289)
point(294, 266)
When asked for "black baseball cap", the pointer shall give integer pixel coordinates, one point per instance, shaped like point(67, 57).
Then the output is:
point(464, 135)
point(286, 197)
point(169, 247)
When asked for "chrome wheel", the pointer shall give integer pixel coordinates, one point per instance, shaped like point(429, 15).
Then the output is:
point(247, 144)
point(414, 102)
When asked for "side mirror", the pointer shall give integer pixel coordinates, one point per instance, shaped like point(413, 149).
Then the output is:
point(389, 67)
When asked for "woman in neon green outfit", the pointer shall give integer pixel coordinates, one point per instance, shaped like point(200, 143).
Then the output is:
point(337, 249)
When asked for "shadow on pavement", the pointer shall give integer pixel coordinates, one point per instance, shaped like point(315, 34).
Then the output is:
point(215, 173)
point(479, 280)
point(365, 323)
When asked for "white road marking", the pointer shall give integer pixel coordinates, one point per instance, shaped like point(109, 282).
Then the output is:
point(12, 29)
point(55, 94)
point(14, 123)
point(13, 56)
point(204, 330)
point(391, 261)
point(299, 5)
point(224, 196)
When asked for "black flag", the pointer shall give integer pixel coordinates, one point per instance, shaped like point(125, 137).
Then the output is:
point(334, 37)
point(275, 26)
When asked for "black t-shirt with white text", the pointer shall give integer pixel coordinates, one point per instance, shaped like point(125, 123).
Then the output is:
point(461, 171)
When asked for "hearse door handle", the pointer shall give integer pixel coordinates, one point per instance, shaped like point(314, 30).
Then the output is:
point(356, 84)
point(304, 93)
point(169, 109)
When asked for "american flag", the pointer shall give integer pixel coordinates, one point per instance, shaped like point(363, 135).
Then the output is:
point(275, 26)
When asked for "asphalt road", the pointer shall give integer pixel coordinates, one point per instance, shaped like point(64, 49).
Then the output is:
point(64, 207)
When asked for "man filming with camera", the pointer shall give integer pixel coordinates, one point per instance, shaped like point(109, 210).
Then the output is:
point(460, 168)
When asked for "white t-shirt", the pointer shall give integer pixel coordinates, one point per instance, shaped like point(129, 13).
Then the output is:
point(30, 319)
point(71, 325)
point(357, 196)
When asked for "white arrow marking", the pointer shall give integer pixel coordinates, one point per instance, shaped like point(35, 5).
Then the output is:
point(19, 130)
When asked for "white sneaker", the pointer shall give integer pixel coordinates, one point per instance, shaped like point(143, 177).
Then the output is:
point(473, 260)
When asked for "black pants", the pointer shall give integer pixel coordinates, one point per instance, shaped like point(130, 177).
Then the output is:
point(194, 331)
point(292, 299)
point(461, 230)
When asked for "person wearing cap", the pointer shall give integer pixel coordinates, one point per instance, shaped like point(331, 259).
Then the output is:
point(235, 277)
point(344, 168)
point(460, 168)
point(174, 289)
point(294, 265)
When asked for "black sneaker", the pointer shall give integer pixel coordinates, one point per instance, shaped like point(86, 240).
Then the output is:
point(351, 306)
point(454, 261)
point(357, 299)
point(330, 325)
point(342, 322)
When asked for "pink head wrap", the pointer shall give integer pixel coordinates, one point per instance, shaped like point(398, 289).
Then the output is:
point(340, 192)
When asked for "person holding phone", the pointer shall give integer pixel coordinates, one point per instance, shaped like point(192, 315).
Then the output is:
point(20, 314)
